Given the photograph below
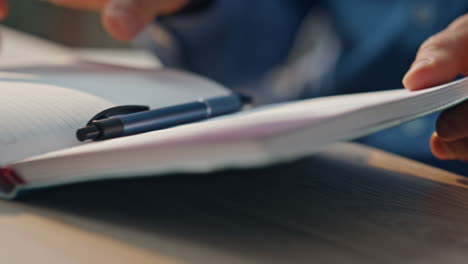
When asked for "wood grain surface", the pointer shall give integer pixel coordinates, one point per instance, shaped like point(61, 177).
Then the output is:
point(347, 204)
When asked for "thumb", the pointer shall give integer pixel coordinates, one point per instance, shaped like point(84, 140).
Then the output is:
point(125, 19)
point(441, 58)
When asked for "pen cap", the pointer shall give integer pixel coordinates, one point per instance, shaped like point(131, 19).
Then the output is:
point(88, 133)
point(224, 105)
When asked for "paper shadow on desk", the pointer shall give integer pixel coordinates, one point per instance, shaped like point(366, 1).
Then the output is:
point(326, 207)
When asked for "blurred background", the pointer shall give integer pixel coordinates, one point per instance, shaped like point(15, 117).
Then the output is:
point(70, 27)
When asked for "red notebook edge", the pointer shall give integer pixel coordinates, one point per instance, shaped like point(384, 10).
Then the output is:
point(9, 179)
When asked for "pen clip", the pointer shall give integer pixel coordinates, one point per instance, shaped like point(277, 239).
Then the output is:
point(118, 110)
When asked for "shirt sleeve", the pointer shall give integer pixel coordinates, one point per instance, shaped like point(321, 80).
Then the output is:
point(232, 42)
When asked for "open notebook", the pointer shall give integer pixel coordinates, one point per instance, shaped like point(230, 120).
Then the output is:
point(44, 102)
point(38, 147)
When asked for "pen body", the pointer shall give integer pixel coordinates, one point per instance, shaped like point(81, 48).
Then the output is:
point(150, 120)
point(163, 118)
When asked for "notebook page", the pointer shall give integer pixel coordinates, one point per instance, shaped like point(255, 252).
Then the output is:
point(247, 139)
point(248, 127)
point(38, 118)
point(234, 140)
point(58, 65)
point(306, 112)
point(125, 85)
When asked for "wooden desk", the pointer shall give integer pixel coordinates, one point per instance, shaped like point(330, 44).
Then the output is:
point(347, 204)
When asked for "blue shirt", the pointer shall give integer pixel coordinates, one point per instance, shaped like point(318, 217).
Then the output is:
point(236, 42)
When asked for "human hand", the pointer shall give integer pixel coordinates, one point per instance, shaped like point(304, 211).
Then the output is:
point(123, 19)
point(441, 59)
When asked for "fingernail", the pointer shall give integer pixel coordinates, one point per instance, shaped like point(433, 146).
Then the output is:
point(420, 64)
point(409, 80)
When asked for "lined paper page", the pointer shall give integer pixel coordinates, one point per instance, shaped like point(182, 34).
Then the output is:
point(234, 140)
point(37, 89)
point(38, 118)
point(251, 138)
point(123, 85)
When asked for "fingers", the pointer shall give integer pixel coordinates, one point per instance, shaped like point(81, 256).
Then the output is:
point(441, 58)
point(451, 139)
point(449, 150)
point(124, 19)
point(452, 124)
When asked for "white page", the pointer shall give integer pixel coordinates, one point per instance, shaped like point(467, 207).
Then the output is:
point(38, 118)
point(235, 139)
point(55, 64)
point(115, 85)
point(248, 125)
point(124, 85)
point(259, 137)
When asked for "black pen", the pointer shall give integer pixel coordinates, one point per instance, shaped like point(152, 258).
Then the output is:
point(150, 120)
